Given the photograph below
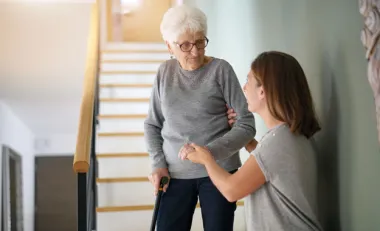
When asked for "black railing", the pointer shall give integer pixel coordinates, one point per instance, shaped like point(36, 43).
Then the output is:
point(87, 193)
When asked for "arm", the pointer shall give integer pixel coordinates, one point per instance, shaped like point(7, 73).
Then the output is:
point(152, 127)
point(244, 128)
point(233, 186)
point(231, 120)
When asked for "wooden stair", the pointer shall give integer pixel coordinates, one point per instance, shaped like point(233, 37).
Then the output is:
point(125, 116)
point(139, 207)
point(140, 85)
point(127, 72)
point(121, 155)
point(122, 179)
point(128, 100)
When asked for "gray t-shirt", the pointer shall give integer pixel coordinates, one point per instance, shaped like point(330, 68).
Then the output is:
point(288, 199)
point(191, 106)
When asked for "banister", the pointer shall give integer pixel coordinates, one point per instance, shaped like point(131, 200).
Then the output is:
point(81, 162)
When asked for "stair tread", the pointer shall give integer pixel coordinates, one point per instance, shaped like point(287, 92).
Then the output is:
point(127, 72)
point(122, 155)
point(124, 100)
point(138, 207)
point(121, 134)
point(142, 61)
point(121, 179)
point(122, 116)
point(148, 85)
point(110, 51)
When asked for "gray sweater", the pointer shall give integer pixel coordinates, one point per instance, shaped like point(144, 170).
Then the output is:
point(190, 106)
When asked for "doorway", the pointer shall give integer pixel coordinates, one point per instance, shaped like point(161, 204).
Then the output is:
point(55, 194)
point(12, 203)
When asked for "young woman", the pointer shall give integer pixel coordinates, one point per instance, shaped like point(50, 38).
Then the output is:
point(279, 178)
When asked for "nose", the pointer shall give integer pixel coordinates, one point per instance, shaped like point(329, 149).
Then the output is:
point(244, 87)
point(194, 50)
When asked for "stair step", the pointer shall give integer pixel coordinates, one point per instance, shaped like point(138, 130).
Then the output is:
point(141, 220)
point(136, 85)
point(121, 134)
point(124, 100)
point(123, 107)
point(122, 179)
point(134, 51)
point(138, 208)
point(125, 116)
point(133, 61)
point(135, 46)
point(118, 155)
point(116, 167)
point(125, 72)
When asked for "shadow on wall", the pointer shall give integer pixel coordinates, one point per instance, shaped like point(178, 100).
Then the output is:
point(332, 71)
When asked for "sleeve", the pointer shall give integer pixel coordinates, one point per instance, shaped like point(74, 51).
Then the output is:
point(152, 128)
point(244, 128)
point(274, 160)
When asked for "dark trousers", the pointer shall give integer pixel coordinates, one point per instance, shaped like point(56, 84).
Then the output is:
point(179, 202)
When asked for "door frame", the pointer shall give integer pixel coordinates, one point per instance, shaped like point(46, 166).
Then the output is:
point(7, 154)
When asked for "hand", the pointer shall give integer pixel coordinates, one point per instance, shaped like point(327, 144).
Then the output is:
point(184, 151)
point(155, 178)
point(200, 155)
point(231, 115)
point(251, 145)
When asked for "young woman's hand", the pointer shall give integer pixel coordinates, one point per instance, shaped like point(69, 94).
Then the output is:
point(231, 115)
point(200, 155)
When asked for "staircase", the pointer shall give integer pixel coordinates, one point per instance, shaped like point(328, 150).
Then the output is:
point(125, 196)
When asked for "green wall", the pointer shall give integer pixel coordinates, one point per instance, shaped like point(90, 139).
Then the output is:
point(324, 36)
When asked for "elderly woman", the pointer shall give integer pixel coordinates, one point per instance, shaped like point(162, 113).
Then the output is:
point(188, 104)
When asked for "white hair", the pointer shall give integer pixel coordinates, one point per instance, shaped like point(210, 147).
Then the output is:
point(180, 19)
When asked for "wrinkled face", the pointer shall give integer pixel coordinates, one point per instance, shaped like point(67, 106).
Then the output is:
point(189, 50)
point(254, 94)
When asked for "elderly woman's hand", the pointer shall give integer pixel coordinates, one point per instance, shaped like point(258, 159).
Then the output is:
point(155, 178)
point(184, 151)
point(200, 155)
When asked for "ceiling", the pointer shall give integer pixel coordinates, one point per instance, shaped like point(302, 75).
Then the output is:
point(42, 59)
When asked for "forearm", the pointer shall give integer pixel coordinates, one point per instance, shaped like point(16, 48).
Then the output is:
point(154, 143)
point(234, 140)
point(221, 179)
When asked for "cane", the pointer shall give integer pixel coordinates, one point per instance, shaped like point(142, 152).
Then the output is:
point(163, 182)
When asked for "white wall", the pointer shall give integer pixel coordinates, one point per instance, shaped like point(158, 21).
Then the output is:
point(55, 144)
point(49, 41)
point(325, 37)
point(18, 137)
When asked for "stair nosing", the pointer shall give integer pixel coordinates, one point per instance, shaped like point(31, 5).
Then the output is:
point(108, 134)
point(132, 61)
point(138, 207)
point(125, 85)
point(131, 100)
point(129, 51)
point(127, 72)
point(121, 155)
point(122, 116)
point(122, 179)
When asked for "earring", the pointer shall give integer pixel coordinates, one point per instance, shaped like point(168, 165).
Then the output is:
point(171, 56)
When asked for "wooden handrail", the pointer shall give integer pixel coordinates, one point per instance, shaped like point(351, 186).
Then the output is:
point(82, 154)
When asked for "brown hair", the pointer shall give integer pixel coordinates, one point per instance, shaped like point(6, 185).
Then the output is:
point(287, 91)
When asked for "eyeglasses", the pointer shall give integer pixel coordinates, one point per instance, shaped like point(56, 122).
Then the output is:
point(188, 46)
